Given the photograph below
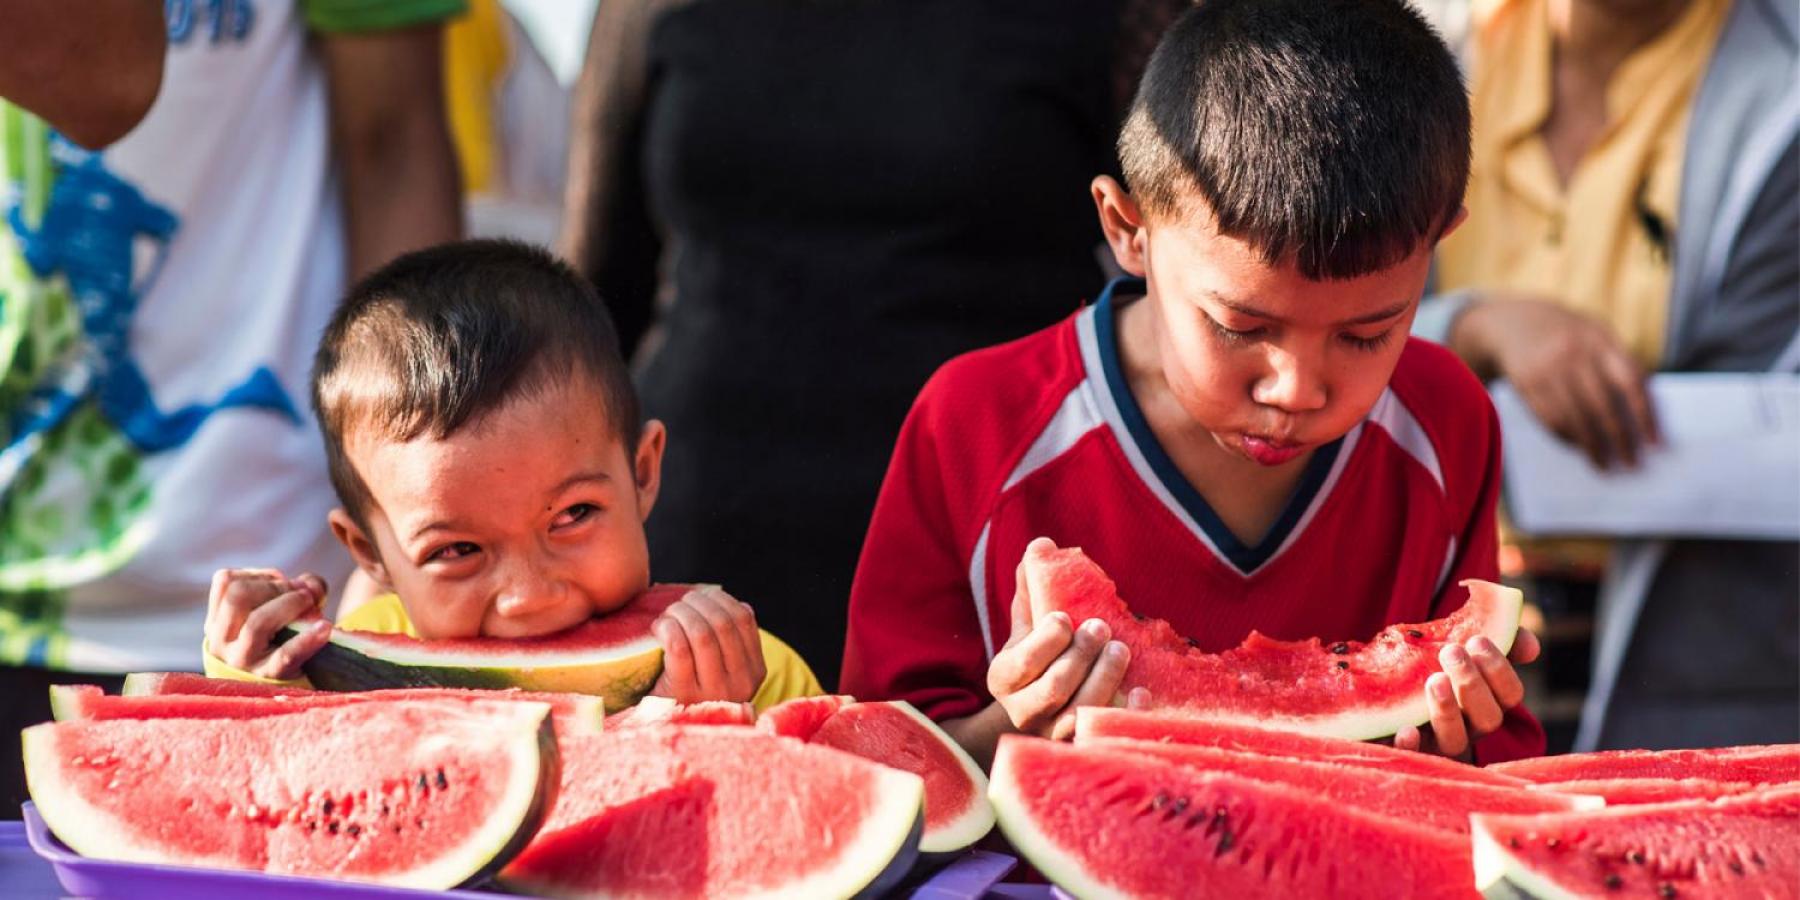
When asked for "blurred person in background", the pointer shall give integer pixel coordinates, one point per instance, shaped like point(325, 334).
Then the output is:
point(830, 200)
point(159, 305)
point(1633, 208)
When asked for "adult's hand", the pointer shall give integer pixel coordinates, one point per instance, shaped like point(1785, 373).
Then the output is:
point(1570, 369)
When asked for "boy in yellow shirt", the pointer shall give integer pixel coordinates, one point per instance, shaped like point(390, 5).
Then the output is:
point(485, 442)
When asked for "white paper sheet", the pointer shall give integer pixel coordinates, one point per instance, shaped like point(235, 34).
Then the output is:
point(1729, 465)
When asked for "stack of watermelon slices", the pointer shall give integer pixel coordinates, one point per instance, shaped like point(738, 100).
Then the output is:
point(1149, 804)
point(828, 797)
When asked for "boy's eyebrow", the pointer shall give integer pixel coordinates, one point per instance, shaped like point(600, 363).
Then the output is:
point(1245, 309)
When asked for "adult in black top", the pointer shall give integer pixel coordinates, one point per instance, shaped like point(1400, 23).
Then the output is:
point(807, 206)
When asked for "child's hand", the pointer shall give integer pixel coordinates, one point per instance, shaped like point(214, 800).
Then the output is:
point(1470, 698)
point(248, 606)
point(1049, 668)
point(712, 649)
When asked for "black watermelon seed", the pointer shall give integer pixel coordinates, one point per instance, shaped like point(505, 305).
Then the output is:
point(441, 781)
point(1756, 857)
point(1225, 840)
point(1414, 633)
point(1513, 842)
point(1139, 617)
point(1636, 856)
point(1340, 648)
point(1666, 890)
point(1737, 868)
point(423, 784)
point(354, 830)
point(1343, 665)
point(1613, 881)
point(1159, 801)
point(332, 827)
point(1181, 805)
point(1191, 642)
point(328, 806)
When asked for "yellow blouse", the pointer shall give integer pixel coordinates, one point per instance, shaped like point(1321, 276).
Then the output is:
point(788, 675)
point(1602, 243)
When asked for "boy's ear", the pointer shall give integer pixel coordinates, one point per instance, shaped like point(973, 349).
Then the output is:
point(1122, 223)
point(361, 546)
point(646, 465)
point(1462, 215)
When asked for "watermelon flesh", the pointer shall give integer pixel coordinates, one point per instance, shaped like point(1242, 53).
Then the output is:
point(1620, 791)
point(1349, 689)
point(1756, 764)
point(664, 711)
point(681, 811)
point(571, 713)
point(148, 684)
point(1101, 822)
point(1099, 722)
point(1432, 802)
point(957, 812)
point(418, 794)
point(614, 657)
point(1742, 846)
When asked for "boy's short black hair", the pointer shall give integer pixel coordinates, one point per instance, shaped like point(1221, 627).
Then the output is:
point(441, 336)
point(1332, 133)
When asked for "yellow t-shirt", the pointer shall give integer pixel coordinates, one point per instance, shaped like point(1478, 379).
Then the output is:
point(788, 675)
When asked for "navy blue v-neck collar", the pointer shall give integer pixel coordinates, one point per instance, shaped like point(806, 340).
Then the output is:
point(1245, 558)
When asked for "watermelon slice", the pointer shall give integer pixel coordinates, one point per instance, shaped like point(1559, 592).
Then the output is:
point(573, 713)
point(1433, 802)
point(1622, 791)
point(1743, 846)
point(893, 733)
point(664, 711)
point(144, 684)
point(680, 811)
point(1096, 722)
point(1101, 823)
point(1756, 764)
point(420, 794)
point(1348, 689)
point(615, 657)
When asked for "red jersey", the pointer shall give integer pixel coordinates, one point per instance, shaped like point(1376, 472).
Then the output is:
point(1041, 436)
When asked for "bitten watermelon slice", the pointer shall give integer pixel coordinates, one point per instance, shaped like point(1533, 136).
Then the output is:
point(1758, 764)
point(615, 657)
point(419, 794)
point(1347, 689)
point(893, 733)
point(1108, 823)
point(1433, 802)
point(1624, 791)
point(145, 684)
point(1743, 846)
point(681, 811)
point(664, 711)
point(1168, 726)
point(573, 713)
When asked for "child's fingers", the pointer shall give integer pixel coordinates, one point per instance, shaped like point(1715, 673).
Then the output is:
point(1447, 731)
point(708, 649)
point(1022, 663)
point(313, 584)
point(1472, 694)
point(262, 624)
point(1098, 689)
point(1525, 647)
point(1409, 737)
point(1021, 606)
point(285, 661)
point(235, 594)
point(719, 611)
point(1035, 707)
point(1139, 698)
point(1502, 680)
point(677, 679)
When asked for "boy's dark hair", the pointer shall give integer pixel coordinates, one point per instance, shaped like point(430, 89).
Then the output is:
point(1333, 133)
point(441, 336)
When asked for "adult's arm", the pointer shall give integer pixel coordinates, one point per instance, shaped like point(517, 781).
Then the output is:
point(607, 231)
point(89, 68)
point(391, 141)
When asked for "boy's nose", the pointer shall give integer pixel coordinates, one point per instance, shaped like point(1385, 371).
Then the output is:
point(524, 597)
point(1292, 384)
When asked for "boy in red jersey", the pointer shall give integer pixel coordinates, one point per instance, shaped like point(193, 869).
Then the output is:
point(1242, 435)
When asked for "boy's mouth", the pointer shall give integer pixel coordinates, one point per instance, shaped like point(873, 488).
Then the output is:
point(1268, 451)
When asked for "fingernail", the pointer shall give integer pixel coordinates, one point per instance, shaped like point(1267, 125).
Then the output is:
point(1095, 629)
point(1481, 645)
point(1440, 688)
point(320, 626)
point(1115, 650)
point(1452, 655)
point(749, 607)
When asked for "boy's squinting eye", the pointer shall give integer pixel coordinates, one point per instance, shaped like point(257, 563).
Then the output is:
point(1234, 335)
point(453, 551)
point(577, 513)
point(1368, 344)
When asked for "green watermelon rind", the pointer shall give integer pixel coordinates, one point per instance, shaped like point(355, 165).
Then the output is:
point(1500, 875)
point(354, 661)
point(516, 817)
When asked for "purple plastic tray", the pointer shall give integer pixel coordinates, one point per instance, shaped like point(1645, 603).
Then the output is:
point(967, 878)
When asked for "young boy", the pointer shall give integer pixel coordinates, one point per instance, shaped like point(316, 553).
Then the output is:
point(484, 439)
point(1243, 436)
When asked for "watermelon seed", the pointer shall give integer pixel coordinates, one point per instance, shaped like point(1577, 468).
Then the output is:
point(1613, 881)
point(1513, 841)
point(1666, 890)
point(1343, 665)
point(1636, 856)
point(1181, 805)
point(1139, 617)
point(332, 827)
point(1414, 633)
point(423, 784)
point(1756, 857)
point(1340, 648)
point(355, 830)
point(311, 827)
point(441, 781)
point(1737, 868)
point(328, 806)
point(384, 808)
point(1190, 641)
point(1159, 801)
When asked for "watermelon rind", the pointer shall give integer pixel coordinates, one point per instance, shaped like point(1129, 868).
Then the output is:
point(356, 661)
point(976, 821)
point(528, 741)
point(1499, 875)
point(1020, 828)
